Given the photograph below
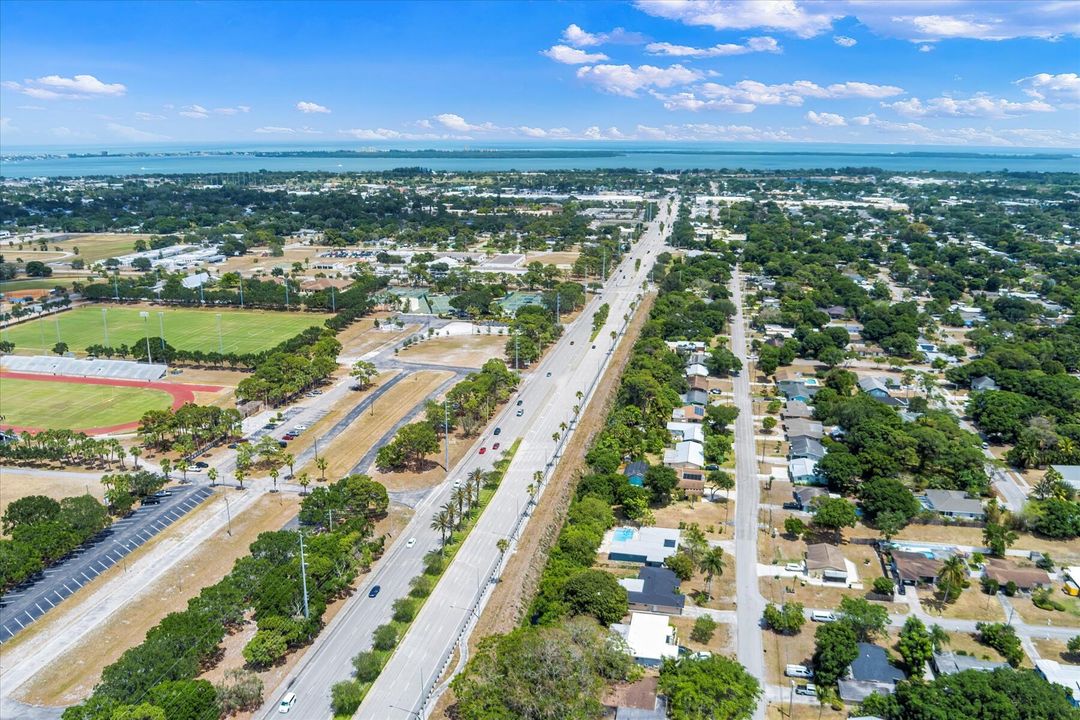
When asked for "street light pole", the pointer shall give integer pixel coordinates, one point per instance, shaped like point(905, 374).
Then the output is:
point(221, 346)
point(446, 433)
point(303, 575)
point(146, 329)
point(105, 322)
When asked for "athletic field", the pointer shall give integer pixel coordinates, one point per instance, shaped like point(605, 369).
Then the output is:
point(33, 404)
point(242, 331)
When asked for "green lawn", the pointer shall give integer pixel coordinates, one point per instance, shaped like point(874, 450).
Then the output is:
point(40, 404)
point(93, 248)
point(36, 284)
point(242, 331)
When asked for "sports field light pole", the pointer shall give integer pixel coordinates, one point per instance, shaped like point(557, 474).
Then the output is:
point(105, 322)
point(241, 289)
point(146, 329)
point(220, 345)
point(56, 319)
point(161, 328)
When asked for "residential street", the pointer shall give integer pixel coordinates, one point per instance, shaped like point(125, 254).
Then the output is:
point(750, 603)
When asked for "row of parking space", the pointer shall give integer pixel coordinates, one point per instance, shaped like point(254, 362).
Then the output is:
point(27, 603)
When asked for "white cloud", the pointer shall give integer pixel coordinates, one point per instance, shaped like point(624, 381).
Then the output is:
point(756, 44)
point(863, 119)
point(690, 101)
point(57, 87)
point(29, 107)
point(802, 20)
point(1065, 87)
point(572, 56)
point(231, 110)
point(574, 35)
point(977, 106)
point(794, 93)
point(926, 48)
point(844, 40)
point(627, 81)
point(309, 107)
point(386, 134)
point(458, 124)
point(198, 112)
point(6, 126)
point(826, 119)
point(126, 132)
point(148, 116)
point(274, 130)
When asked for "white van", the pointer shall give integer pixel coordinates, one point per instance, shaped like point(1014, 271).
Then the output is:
point(823, 616)
point(286, 702)
point(799, 671)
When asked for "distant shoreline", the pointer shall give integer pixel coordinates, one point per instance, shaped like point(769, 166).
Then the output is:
point(525, 154)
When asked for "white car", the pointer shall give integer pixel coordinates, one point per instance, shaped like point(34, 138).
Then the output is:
point(412, 541)
point(299, 428)
point(286, 702)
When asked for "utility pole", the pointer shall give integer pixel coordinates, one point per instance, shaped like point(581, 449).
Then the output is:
point(603, 252)
point(221, 346)
point(303, 575)
point(105, 322)
point(516, 364)
point(333, 299)
point(228, 513)
point(558, 313)
point(116, 286)
point(286, 293)
point(56, 319)
point(146, 329)
point(241, 289)
point(446, 433)
point(202, 298)
point(161, 327)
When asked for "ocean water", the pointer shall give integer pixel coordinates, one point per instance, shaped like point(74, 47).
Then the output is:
point(168, 159)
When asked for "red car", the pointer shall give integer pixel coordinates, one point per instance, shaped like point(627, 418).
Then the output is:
point(483, 450)
point(495, 446)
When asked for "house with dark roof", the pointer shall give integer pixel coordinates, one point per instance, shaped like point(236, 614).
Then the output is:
point(836, 312)
point(804, 446)
point(914, 568)
point(638, 700)
point(799, 388)
point(696, 397)
point(804, 496)
point(655, 589)
point(1026, 578)
point(871, 672)
point(635, 472)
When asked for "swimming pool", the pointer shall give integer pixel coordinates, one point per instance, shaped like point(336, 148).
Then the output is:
point(623, 534)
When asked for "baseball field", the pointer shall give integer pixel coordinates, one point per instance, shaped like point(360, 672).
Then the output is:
point(27, 404)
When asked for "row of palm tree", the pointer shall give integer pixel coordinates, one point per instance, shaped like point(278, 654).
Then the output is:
point(62, 445)
point(463, 500)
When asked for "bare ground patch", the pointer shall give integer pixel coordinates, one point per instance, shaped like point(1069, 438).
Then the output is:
point(461, 350)
point(15, 484)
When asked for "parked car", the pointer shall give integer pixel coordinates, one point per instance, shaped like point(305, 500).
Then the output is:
point(809, 689)
point(548, 375)
point(374, 591)
point(202, 465)
point(288, 436)
point(823, 616)
point(798, 671)
point(794, 567)
point(282, 443)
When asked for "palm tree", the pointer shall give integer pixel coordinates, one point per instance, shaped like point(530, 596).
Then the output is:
point(712, 563)
point(136, 452)
point(166, 466)
point(212, 473)
point(939, 637)
point(240, 473)
point(460, 496)
point(579, 394)
point(951, 578)
point(322, 464)
point(304, 481)
point(451, 513)
point(274, 476)
point(182, 466)
point(443, 523)
point(475, 478)
point(288, 459)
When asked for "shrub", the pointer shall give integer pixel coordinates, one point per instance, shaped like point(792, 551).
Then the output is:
point(385, 637)
point(422, 586)
point(990, 586)
point(404, 610)
point(345, 697)
point(241, 690)
point(265, 649)
point(367, 665)
point(1010, 588)
point(704, 627)
point(884, 586)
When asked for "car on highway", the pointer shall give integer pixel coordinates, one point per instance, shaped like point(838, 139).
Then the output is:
point(495, 446)
point(483, 450)
point(374, 591)
point(571, 342)
point(286, 702)
point(520, 413)
point(593, 347)
point(412, 541)
point(548, 375)
point(519, 402)
point(497, 431)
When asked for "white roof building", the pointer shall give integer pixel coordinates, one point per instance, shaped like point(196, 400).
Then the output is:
point(651, 638)
point(1062, 674)
point(687, 431)
point(685, 453)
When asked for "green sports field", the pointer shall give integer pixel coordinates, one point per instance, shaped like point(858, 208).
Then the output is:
point(38, 404)
point(242, 331)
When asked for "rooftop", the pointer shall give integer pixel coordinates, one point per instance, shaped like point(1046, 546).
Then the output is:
point(823, 556)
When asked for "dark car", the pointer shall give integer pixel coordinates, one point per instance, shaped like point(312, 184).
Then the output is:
point(282, 443)
point(519, 402)
point(374, 591)
point(202, 465)
point(497, 431)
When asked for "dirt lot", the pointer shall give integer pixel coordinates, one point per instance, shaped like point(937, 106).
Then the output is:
point(362, 336)
point(262, 260)
point(972, 604)
point(462, 350)
point(721, 643)
point(1037, 616)
point(199, 376)
point(433, 472)
point(72, 678)
point(709, 515)
point(348, 447)
point(553, 258)
point(15, 484)
point(781, 650)
point(966, 642)
point(1055, 650)
point(779, 711)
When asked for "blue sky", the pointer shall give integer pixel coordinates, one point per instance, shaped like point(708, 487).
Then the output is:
point(953, 72)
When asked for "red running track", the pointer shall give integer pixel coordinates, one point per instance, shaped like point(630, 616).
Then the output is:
point(181, 395)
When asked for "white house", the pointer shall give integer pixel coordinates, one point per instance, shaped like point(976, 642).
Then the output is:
point(651, 638)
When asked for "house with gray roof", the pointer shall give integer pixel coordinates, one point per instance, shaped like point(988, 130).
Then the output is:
point(954, 504)
point(635, 472)
point(983, 383)
point(871, 672)
point(949, 663)
point(796, 409)
point(1070, 474)
point(875, 387)
point(804, 446)
point(799, 426)
point(645, 545)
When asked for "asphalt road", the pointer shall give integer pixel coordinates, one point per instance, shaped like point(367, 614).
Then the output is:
point(403, 688)
point(25, 604)
point(547, 402)
point(750, 604)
